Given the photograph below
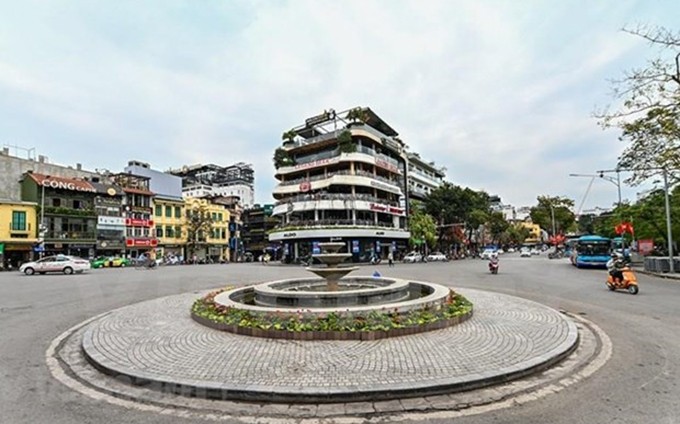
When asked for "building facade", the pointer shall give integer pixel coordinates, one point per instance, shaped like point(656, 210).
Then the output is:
point(207, 231)
point(423, 177)
point(342, 177)
point(66, 212)
point(18, 232)
point(215, 181)
point(140, 235)
point(168, 206)
point(110, 230)
point(257, 221)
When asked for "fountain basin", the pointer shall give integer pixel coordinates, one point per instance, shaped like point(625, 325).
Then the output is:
point(421, 295)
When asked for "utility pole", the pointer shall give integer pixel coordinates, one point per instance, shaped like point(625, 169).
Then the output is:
point(668, 221)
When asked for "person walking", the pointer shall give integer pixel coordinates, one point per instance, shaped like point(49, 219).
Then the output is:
point(390, 259)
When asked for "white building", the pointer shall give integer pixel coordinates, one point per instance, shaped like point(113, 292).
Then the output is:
point(237, 180)
point(341, 179)
point(423, 176)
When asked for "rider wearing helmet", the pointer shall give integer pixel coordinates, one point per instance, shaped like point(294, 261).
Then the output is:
point(614, 266)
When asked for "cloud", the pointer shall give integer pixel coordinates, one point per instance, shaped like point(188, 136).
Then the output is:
point(500, 93)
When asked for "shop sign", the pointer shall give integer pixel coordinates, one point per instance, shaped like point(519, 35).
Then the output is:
point(327, 115)
point(386, 165)
point(355, 246)
point(305, 186)
point(141, 242)
point(286, 235)
point(73, 185)
point(315, 163)
point(135, 222)
point(112, 221)
point(387, 209)
point(315, 248)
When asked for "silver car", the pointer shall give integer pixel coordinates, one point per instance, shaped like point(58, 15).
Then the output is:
point(413, 257)
point(59, 263)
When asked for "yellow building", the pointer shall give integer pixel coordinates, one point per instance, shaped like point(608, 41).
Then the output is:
point(18, 232)
point(169, 219)
point(207, 230)
point(534, 232)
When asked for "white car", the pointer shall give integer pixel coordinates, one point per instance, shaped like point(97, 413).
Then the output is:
point(525, 252)
point(413, 257)
point(437, 256)
point(535, 251)
point(486, 254)
point(59, 263)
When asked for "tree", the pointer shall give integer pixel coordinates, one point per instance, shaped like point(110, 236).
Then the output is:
point(450, 204)
point(358, 114)
point(282, 158)
point(422, 228)
point(517, 234)
point(542, 213)
point(497, 225)
point(198, 226)
point(289, 136)
point(650, 111)
point(345, 144)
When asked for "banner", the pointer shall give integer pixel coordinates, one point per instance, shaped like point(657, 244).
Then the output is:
point(355, 246)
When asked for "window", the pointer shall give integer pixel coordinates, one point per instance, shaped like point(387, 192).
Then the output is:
point(168, 211)
point(159, 231)
point(169, 232)
point(219, 216)
point(56, 202)
point(178, 231)
point(159, 210)
point(178, 212)
point(77, 204)
point(18, 221)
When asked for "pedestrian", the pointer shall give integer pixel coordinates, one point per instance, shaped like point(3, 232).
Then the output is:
point(390, 259)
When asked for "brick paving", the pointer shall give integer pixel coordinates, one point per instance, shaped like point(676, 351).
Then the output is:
point(157, 341)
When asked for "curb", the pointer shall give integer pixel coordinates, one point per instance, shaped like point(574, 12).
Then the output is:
point(658, 274)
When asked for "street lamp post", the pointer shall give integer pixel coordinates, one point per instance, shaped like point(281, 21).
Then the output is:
point(668, 221)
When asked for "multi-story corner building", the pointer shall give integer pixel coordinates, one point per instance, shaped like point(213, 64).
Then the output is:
point(140, 236)
point(207, 229)
point(110, 231)
point(423, 176)
point(214, 181)
point(233, 205)
point(67, 213)
point(342, 177)
point(257, 221)
point(168, 206)
point(18, 232)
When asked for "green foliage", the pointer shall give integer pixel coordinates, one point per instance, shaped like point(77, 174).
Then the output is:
point(516, 234)
point(422, 228)
point(60, 210)
point(289, 136)
point(198, 226)
point(345, 144)
point(383, 320)
point(357, 114)
point(497, 226)
point(282, 158)
point(649, 111)
point(565, 220)
point(451, 204)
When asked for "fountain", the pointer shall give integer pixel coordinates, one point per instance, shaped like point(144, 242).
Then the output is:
point(331, 258)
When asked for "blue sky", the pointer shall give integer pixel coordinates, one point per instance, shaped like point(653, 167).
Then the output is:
point(501, 93)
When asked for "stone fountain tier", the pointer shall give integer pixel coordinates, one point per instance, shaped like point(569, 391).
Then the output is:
point(331, 247)
point(332, 274)
point(312, 293)
point(332, 259)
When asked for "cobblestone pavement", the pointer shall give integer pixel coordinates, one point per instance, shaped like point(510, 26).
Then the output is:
point(157, 340)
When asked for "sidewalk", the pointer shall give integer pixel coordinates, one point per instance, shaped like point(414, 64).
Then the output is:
point(667, 275)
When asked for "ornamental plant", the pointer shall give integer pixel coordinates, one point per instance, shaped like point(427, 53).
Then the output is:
point(377, 320)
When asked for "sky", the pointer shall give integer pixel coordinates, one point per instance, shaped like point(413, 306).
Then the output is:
point(501, 93)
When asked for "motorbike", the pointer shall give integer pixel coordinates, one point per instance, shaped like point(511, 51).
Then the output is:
point(629, 281)
point(493, 266)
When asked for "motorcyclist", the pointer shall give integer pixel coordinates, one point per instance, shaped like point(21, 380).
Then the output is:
point(493, 259)
point(615, 265)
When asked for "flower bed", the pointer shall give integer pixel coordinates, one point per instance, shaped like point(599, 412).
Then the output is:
point(329, 326)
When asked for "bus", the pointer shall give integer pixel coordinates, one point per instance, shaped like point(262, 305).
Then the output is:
point(591, 251)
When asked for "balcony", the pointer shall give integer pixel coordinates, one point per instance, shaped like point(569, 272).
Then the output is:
point(63, 211)
point(334, 223)
point(70, 235)
point(358, 173)
point(336, 196)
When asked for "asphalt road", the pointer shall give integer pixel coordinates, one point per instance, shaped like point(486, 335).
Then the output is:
point(639, 384)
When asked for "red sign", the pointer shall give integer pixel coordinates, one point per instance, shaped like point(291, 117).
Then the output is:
point(135, 222)
point(141, 242)
point(386, 165)
point(384, 208)
point(624, 227)
point(645, 247)
point(305, 186)
point(315, 163)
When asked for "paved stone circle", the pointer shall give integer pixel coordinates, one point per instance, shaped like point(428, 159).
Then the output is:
point(157, 341)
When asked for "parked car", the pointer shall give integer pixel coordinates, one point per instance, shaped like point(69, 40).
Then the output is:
point(59, 263)
point(104, 262)
point(437, 256)
point(525, 252)
point(486, 254)
point(511, 250)
point(413, 257)
point(535, 251)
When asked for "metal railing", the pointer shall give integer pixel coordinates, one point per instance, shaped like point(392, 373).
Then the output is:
point(336, 196)
point(337, 223)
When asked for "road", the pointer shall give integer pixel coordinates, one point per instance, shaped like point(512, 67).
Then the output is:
point(638, 385)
